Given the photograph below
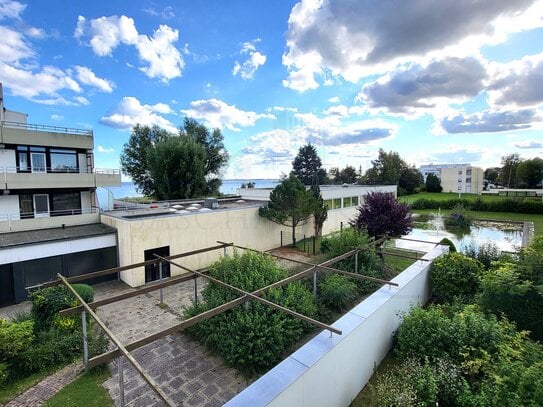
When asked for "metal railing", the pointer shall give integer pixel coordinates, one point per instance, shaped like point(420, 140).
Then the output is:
point(10, 217)
point(12, 169)
point(44, 127)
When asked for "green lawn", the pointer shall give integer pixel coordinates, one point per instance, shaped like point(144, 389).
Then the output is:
point(445, 196)
point(13, 389)
point(86, 390)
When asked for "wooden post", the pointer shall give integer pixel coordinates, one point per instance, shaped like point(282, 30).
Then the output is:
point(281, 238)
point(314, 282)
point(121, 380)
point(314, 251)
point(85, 340)
point(160, 278)
point(356, 262)
point(195, 291)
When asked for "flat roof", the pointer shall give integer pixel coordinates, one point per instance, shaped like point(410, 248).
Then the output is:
point(54, 234)
point(176, 209)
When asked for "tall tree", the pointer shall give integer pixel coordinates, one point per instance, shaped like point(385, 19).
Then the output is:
point(390, 169)
point(177, 167)
point(530, 173)
point(347, 175)
point(410, 180)
point(382, 214)
point(492, 174)
point(508, 174)
point(320, 210)
point(134, 160)
point(433, 184)
point(291, 204)
point(216, 154)
point(307, 166)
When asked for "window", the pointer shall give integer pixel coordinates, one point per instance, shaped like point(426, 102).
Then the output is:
point(355, 200)
point(347, 202)
point(41, 205)
point(63, 160)
point(337, 203)
point(152, 271)
point(468, 172)
point(23, 161)
point(468, 180)
point(26, 207)
point(67, 203)
point(328, 203)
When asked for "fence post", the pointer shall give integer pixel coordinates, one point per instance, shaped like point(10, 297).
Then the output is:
point(314, 282)
point(160, 278)
point(121, 379)
point(341, 226)
point(195, 290)
point(314, 245)
point(356, 262)
point(225, 251)
point(304, 243)
point(281, 238)
point(85, 340)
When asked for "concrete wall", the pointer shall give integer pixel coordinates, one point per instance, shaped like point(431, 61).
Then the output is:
point(188, 232)
point(18, 225)
point(331, 370)
point(7, 160)
point(33, 137)
point(9, 204)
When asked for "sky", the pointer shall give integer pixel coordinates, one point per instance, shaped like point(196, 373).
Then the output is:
point(448, 81)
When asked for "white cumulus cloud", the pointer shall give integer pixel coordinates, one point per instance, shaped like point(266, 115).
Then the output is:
point(11, 9)
point(254, 59)
point(130, 111)
point(161, 58)
point(218, 114)
point(354, 39)
point(88, 77)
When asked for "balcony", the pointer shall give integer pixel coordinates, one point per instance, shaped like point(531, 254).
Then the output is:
point(46, 178)
point(53, 136)
point(15, 222)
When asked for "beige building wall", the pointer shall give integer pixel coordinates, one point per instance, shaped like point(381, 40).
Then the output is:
point(463, 179)
point(189, 232)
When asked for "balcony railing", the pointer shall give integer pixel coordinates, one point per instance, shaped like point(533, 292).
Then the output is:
point(18, 222)
point(12, 169)
point(43, 127)
point(6, 217)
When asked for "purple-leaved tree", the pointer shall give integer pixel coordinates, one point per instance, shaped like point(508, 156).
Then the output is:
point(382, 214)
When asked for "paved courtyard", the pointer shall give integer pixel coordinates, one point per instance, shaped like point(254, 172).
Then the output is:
point(183, 368)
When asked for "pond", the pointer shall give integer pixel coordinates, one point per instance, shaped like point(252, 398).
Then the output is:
point(506, 235)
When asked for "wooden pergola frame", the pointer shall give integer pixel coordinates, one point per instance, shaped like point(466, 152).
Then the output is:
point(124, 350)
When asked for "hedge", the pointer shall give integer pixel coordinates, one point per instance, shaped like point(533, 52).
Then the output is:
point(482, 205)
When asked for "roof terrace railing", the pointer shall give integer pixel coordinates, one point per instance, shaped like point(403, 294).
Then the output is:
point(44, 127)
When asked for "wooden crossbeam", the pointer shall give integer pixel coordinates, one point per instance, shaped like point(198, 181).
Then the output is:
point(326, 267)
point(107, 356)
point(118, 343)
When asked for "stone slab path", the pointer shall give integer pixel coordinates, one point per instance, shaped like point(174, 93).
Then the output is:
point(47, 388)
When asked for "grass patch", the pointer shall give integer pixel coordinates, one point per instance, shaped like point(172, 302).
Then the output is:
point(87, 390)
point(505, 216)
point(445, 196)
point(399, 264)
point(13, 389)
point(367, 397)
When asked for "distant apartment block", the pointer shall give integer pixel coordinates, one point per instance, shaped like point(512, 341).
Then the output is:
point(49, 214)
point(462, 178)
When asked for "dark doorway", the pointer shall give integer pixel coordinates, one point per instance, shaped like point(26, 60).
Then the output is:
point(152, 272)
point(7, 291)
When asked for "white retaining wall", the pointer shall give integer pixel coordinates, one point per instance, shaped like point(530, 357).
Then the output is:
point(331, 370)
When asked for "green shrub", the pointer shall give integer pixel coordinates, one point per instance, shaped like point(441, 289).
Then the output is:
point(251, 337)
point(448, 242)
point(455, 275)
point(3, 373)
point(503, 291)
point(369, 263)
point(493, 357)
point(47, 302)
point(460, 217)
point(337, 291)
point(519, 205)
point(15, 337)
point(486, 253)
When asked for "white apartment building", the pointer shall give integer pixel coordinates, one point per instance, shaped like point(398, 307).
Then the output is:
point(461, 178)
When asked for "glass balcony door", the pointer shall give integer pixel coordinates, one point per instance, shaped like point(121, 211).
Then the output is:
point(38, 162)
point(41, 205)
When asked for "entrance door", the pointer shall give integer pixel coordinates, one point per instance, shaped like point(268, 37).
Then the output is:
point(41, 205)
point(152, 272)
point(7, 290)
point(38, 162)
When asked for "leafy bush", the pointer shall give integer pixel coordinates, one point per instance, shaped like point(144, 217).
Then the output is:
point(455, 275)
point(486, 253)
point(494, 358)
point(460, 217)
point(15, 338)
point(3, 373)
point(448, 242)
point(47, 302)
point(337, 291)
point(251, 337)
point(503, 291)
point(519, 205)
